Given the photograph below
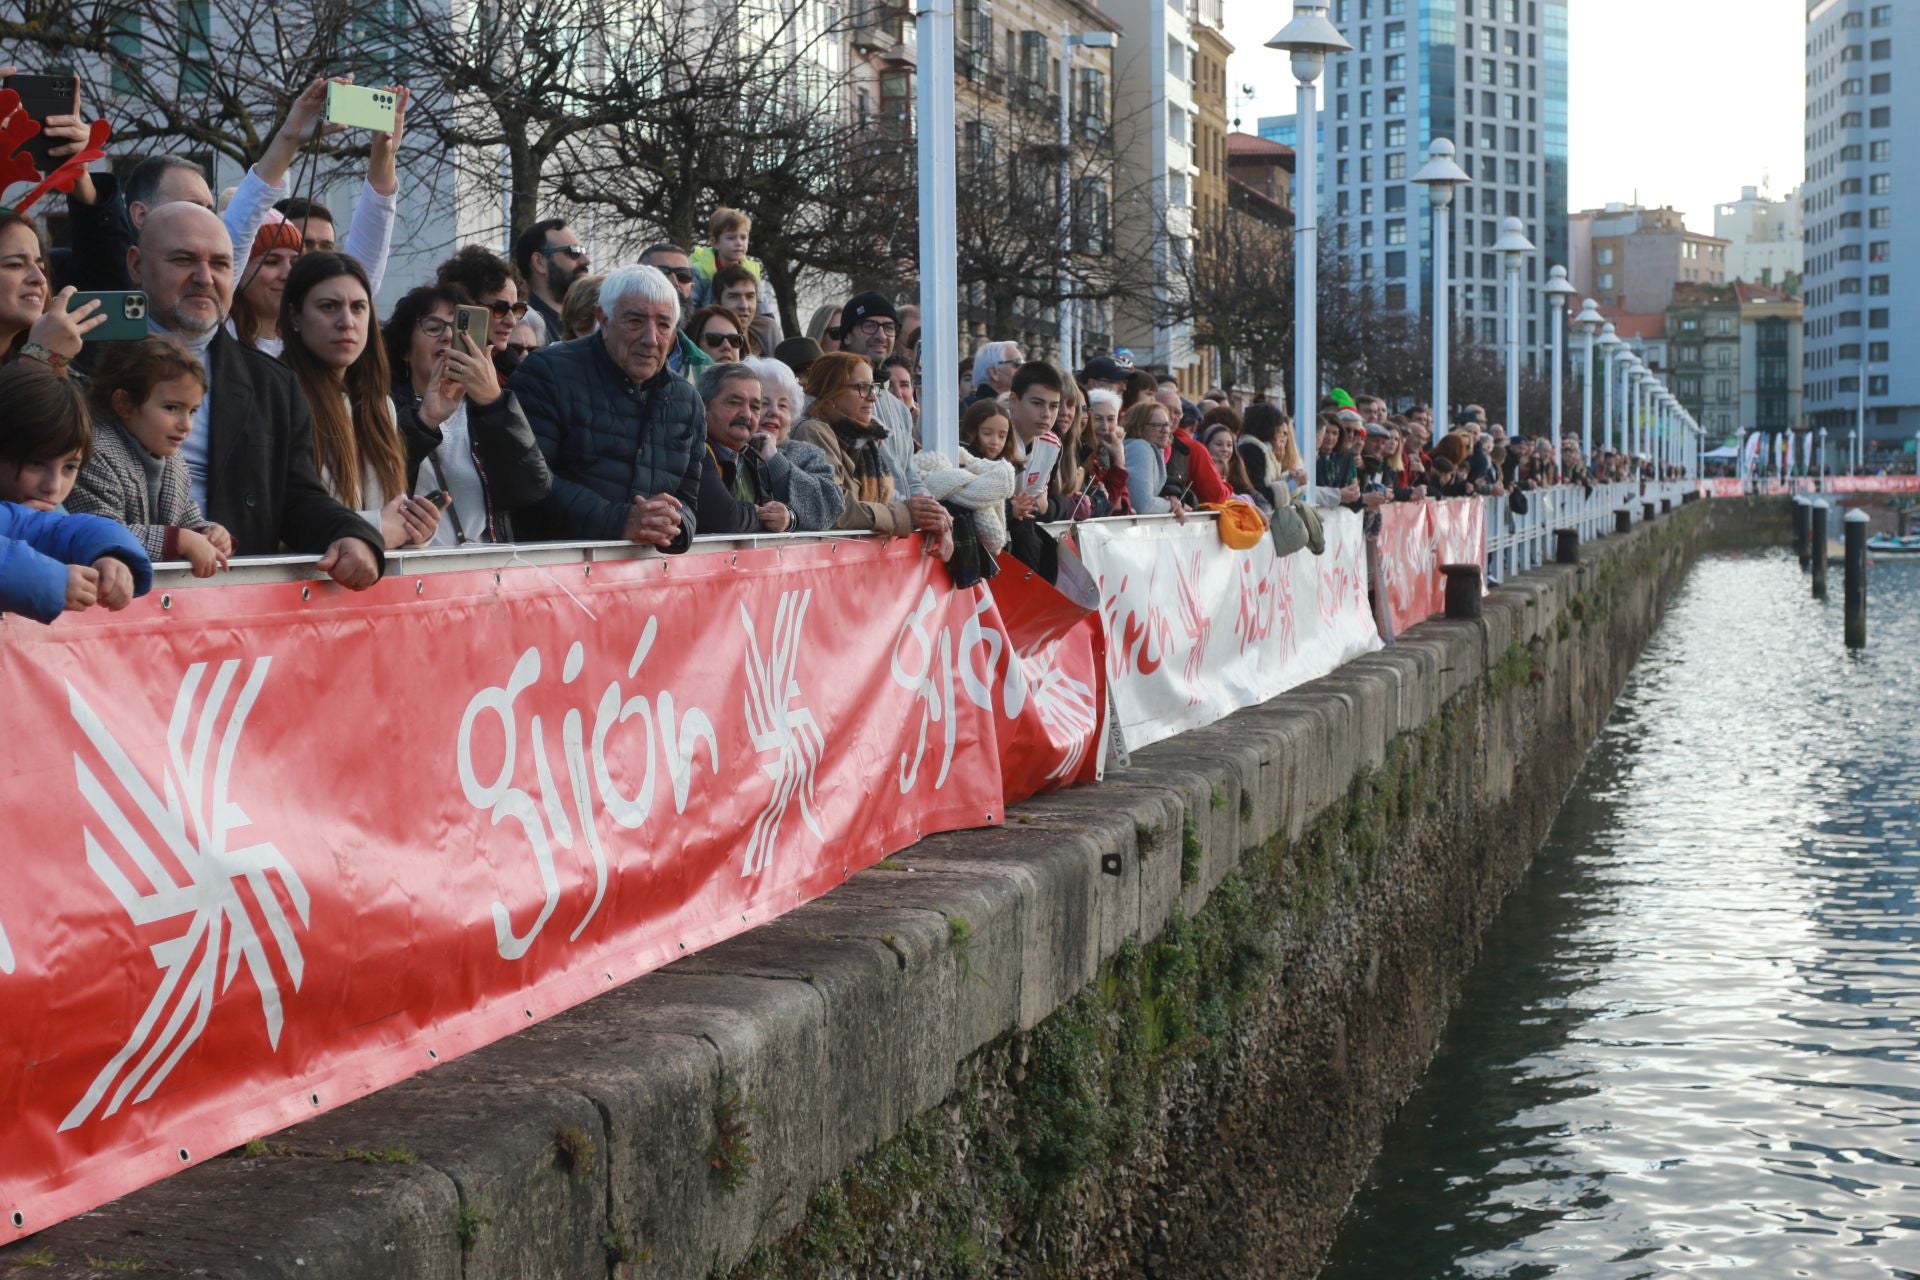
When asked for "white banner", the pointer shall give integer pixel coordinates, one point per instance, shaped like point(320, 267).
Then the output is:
point(1196, 630)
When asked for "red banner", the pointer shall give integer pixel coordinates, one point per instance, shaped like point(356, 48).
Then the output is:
point(274, 847)
point(1416, 539)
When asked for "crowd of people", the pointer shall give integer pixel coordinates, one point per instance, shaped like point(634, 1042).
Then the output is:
point(268, 408)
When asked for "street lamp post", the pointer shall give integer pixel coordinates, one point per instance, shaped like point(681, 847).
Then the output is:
point(1515, 246)
point(1440, 176)
point(1558, 291)
point(1309, 38)
point(1609, 346)
point(1588, 322)
point(1067, 310)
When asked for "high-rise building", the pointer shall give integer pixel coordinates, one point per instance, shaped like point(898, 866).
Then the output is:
point(1153, 114)
point(1862, 219)
point(1763, 239)
point(1629, 257)
point(1492, 76)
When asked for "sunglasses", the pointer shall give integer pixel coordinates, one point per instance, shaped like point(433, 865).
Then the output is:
point(722, 340)
point(523, 348)
point(578, 252)
point(501, 307)
point(683, 275)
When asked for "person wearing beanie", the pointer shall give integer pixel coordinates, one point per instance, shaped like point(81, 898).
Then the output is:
point(256, 302)
point(869, 327)
point(797, 354)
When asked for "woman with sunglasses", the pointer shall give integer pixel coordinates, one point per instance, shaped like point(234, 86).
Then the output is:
point(491, 282)
point(716, 333)
point(466, 435)
point(840, 422)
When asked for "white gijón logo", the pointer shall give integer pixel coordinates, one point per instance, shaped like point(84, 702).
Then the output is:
point(780, 728)
point(190, 825)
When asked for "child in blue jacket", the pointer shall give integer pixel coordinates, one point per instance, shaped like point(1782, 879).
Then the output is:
point(52, 562)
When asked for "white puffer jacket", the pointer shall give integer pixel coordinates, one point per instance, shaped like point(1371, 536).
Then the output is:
point(980, 485)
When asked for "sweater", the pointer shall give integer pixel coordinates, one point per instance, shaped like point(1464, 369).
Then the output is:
point(980, 485)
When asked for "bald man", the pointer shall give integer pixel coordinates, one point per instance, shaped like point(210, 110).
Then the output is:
point(251, 449)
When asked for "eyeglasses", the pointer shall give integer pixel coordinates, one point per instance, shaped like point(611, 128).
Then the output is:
point(722, 338)
point(501, 307)
point(874, 328)
point(865, 390)
point(578, 252)
point(683, 275)
point(434, 326)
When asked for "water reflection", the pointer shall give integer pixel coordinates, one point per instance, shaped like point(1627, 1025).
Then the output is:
point(1692, 1043)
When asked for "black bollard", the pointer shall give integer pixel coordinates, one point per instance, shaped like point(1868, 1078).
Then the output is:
point(1649, 509)
point(1801, 545)
point(1856, 575)
point(1666, 506)
point(1463, 590)
point(1817, 535)
point(1623, 520)
point(1566, 546)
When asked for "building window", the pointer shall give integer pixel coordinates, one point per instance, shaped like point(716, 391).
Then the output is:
point(1881, 150)
point(1176, 58)
point(1723, 388)
point(1882, 83)
point(1877, 384)
point(1366, 235)
point(1397, 233)
point(1883, 15)
point(1882, 50)
point(1880, 184)
point(1396, 66)
point(1396, 133)
point(1396, 264)
point(1878, 318)
point(1396, 166)
point(1875, 218)
point(1396, 35)
point(1882, 118)
point(1879, 286)
point(1394, 101)
point(1880, 251)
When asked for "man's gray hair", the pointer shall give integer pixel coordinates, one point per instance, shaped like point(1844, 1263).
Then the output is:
point(665, 246)
point(777, 379)
point(143, 184)
point(638, 284)
point(715, 377)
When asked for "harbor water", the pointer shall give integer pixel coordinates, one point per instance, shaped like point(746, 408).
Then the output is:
point(1693, 1043)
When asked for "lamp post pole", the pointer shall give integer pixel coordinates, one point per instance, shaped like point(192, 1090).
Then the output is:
point(1440, 175)
point(1609, 343)
point(1309, 38)
point(1558, 291)
point(1067, 309)
point(939, 270)
point(1588, 322)
point(1514, 245)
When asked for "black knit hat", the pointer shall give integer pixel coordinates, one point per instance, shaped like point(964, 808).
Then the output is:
point(867, 306)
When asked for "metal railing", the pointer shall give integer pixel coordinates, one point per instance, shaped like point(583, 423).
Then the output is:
point(1519, 542)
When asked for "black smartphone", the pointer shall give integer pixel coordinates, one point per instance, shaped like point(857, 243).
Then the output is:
point(41, 97)
point(439, 499)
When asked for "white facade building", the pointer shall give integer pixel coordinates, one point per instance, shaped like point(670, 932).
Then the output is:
point(1763, 236)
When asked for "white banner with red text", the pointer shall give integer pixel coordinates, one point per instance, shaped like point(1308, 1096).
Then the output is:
point(273, 847)
point(1196, 631)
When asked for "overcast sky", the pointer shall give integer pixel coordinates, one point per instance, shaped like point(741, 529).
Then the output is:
point(1680, 101)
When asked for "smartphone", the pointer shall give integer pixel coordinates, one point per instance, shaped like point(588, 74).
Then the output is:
point(475, 322)
point(439, 499)
point(358, 107)
point(41, 97)
point(126, 314)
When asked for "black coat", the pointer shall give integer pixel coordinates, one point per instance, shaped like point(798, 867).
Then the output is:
point(513, 471)
point(608, 440)
point(101, 235)
point(261, 481)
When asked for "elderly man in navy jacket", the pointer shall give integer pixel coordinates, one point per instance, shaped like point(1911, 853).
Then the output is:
point(624, 437)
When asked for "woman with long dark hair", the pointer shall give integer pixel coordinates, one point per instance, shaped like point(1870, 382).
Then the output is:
point(327, 322)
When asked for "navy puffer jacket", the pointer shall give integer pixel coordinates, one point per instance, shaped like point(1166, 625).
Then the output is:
point(608, 440)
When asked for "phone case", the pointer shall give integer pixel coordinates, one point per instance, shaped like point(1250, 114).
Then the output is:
point(126, 314)
point(359, 107)
point(41, 97)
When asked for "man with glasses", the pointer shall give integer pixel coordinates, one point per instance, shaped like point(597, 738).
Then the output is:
point(624, 437)
point(671, 261)
point(550, 257)
point(869, 325)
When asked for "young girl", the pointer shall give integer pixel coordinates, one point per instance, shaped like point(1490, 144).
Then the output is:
point(987, 433)
point(144, 397)
point(52, 562)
